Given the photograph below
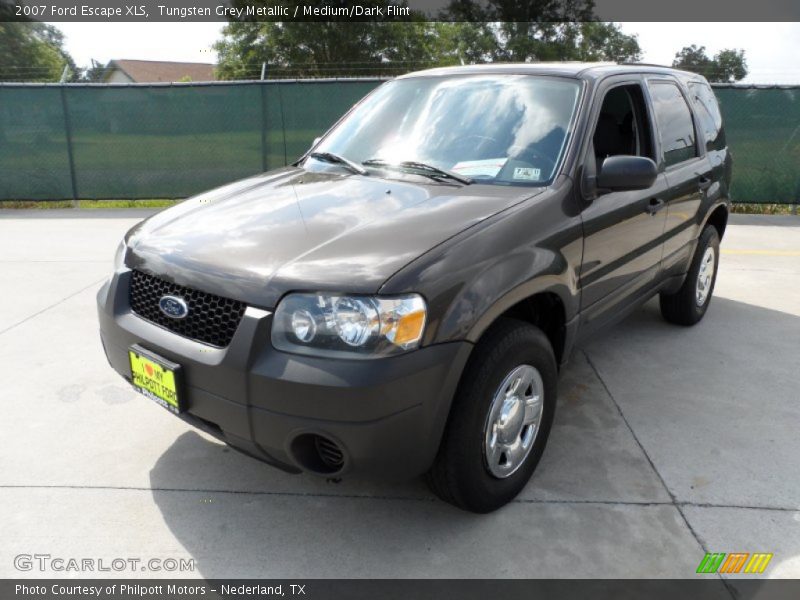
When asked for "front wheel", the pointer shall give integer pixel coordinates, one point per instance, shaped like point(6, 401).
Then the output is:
point(688, 305)
point(499, 421)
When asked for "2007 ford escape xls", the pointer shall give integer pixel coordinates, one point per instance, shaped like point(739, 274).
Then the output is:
point(399, 301)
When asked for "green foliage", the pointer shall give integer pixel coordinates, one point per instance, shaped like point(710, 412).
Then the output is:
point(731, 65)
point(727, 66)
point(32, 52)
point(500, 30)
point(765, 209)
point(539, 30)
point(45, 204)
point(583, 41)
point(605, 41)
point(520, 11)
point(319, 49)
point(328, 48)
point(95, 73)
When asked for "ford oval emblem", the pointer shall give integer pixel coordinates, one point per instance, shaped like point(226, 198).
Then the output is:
point(173, 306)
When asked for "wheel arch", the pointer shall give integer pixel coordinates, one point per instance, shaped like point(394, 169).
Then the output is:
point(544, 308)
point(718, 217)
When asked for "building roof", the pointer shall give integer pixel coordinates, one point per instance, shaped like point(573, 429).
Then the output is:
point(155, 71)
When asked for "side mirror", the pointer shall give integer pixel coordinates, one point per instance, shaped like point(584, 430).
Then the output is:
point(316, 141)
point(619, 173)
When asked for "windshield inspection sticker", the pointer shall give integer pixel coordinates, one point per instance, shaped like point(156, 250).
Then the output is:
point(489, 167)
point(526, 173)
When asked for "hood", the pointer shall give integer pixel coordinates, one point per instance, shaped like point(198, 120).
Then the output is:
point(289, 230)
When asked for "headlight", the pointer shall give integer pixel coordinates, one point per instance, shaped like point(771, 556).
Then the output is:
point(119, 257)
point(348, 326)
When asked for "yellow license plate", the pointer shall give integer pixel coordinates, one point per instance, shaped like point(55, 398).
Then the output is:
point(156, 378)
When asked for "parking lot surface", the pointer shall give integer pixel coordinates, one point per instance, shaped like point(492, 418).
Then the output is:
point(668, 443)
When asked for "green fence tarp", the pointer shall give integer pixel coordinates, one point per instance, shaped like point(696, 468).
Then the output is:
point(762, 126)
point(172, 141)
point(34, 158)
point(159, 141)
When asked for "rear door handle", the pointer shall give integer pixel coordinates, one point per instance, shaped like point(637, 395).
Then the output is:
point(703, 182)
point(655, 205)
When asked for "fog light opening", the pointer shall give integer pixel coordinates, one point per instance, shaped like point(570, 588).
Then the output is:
point(317, 453)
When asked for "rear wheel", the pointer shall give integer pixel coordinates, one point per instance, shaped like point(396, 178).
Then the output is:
point(688, 305)
point(500, 419)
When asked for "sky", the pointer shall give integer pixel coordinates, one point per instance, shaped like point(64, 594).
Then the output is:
point(771, 49)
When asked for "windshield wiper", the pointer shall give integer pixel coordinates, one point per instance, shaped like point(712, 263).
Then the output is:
point(427, 170)
point(340, 160)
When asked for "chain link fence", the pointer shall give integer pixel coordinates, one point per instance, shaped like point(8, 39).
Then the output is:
point(91, 141)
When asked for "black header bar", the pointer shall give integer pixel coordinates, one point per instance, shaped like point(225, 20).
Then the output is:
point(704, 587)
point(398, 10)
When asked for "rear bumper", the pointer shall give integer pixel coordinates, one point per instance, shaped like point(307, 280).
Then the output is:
point(386, 415)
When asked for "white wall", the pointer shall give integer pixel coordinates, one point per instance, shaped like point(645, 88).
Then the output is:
point(118, 76)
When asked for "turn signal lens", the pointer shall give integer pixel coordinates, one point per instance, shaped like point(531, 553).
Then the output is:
point(409, 328)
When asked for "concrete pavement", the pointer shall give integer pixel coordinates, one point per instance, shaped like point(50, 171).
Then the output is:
point(668, 442)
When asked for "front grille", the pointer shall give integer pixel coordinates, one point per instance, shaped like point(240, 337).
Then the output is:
point(211, 319)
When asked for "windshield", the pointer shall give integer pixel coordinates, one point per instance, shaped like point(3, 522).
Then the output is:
point(509, 129)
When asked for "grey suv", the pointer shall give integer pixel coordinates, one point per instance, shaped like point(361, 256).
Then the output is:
point(400, 300)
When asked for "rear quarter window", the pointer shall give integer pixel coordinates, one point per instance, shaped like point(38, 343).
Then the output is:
point(675, 124)
point(710, 119)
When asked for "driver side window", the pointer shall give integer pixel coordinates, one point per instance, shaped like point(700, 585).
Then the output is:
point(622, 126)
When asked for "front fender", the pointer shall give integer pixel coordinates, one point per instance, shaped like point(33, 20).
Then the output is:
point(474, 277)
point(503, 284)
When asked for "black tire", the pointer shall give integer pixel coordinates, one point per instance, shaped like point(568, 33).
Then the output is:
point(682, 307)
point(460, 474)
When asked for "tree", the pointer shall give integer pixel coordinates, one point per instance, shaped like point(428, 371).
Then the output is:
point(542, 30)
point(605, 41)
point(33, 52)
point(325, 48)
point(727, 66)
point(731, 65)
point(470, 32)
point(583, 41)
point(94, 73)
point(319, 49)
point(464, 43)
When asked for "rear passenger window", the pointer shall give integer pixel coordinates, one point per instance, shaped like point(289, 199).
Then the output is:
point(708, 114)
point(675, 126)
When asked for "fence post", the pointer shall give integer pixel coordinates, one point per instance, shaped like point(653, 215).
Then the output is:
point(263, 127)
point(70, 157)
point(283, 123)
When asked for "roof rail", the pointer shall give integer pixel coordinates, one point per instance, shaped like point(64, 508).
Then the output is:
point(644, 64)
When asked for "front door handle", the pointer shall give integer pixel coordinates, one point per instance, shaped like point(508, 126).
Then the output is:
point(655, 205)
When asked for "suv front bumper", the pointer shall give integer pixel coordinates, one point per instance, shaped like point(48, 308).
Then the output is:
point(386, 415)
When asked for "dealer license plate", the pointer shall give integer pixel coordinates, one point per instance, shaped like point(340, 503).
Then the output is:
point(156, 378)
